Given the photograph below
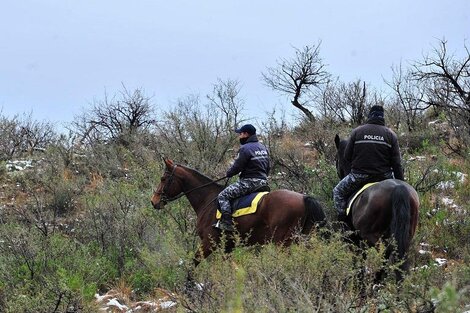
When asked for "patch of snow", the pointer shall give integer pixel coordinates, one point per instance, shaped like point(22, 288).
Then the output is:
point(440, 261)
point(434, 122)
point(424, 252)
point(461, 176)
point(115, 302)
point(167, 304)
point(19, 165)
point(467, 306)
point(200, 286)
point(144, 307)
point(417, 158)
point(446, 185)
point(377, 287)
point(100, 298)
point(448, 202)
point(420, 268)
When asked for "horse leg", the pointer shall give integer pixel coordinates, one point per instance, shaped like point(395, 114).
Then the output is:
point(204, 250)
point(201, 253)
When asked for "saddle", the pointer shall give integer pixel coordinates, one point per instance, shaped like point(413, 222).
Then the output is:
point(246, 204)
point(356, 195)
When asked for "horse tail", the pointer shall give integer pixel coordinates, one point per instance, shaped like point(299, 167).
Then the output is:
point(314, 215)
point(400, 225)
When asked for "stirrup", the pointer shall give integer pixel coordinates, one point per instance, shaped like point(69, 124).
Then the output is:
point(223, 226)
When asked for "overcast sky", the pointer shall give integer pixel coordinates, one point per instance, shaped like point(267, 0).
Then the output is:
point(57, 57)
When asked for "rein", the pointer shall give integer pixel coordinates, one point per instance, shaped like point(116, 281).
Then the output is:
point(165, 198)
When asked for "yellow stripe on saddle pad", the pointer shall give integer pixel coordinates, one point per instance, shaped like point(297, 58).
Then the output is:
point(248, 210)
point(357, 195)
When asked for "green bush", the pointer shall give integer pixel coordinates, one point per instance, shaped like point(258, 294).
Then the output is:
point(41, 274)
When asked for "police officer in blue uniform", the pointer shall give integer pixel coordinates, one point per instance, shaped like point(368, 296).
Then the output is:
point(374, 155)
point(252, 163)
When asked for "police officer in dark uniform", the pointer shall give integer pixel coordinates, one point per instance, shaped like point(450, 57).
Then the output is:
point(252, 163)
point(374, 156)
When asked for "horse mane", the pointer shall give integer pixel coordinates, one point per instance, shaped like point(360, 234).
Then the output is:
point(204, 177)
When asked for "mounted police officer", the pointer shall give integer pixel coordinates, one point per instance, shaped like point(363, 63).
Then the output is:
point(374, 155)
point(252, 163)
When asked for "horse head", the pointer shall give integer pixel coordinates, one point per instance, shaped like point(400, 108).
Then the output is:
point(343, 166)
point(168, 188)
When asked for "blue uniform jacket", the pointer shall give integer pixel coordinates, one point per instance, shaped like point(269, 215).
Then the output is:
point(252, 160)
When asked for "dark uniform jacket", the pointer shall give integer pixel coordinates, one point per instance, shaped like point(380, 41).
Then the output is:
point(252, 160)
point(373, 150)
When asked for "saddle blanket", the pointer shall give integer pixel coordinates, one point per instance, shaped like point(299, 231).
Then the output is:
point(357, 195)
point(245, 205)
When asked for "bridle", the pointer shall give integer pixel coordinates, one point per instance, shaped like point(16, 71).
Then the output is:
point(163, 193)
point(163, 197)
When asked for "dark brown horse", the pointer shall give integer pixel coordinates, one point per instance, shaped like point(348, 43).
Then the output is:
point(388, 209)
point(279, 215)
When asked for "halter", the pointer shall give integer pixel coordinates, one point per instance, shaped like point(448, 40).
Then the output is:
point(165, 199)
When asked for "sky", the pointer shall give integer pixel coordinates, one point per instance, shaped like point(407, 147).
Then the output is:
point(59, 57)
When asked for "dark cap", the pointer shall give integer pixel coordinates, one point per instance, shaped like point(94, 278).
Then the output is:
point(376, 111)
point(248, 128)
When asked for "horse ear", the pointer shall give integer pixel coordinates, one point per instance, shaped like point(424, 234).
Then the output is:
point(169, 163)
point(337, 141)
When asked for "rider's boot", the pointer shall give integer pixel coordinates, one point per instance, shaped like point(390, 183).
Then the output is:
point(225, 223)
point(343, 221)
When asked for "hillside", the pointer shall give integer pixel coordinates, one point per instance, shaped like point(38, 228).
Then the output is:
point(78, 234)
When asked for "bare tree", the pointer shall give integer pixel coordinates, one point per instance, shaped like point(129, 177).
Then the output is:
point(116, 119)
point(202, 135)
point(409, 96)
point(225, 97)
point(446, 80)
point(298, 76)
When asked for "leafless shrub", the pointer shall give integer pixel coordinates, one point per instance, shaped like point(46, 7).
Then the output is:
point(409, 96)
point(342, 102)
point(117, 119)
point(446, 81)
point(202, 134)
point(23, 134)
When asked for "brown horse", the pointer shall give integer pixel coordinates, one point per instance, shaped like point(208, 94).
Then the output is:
point(279, 215)
point(388, 209)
